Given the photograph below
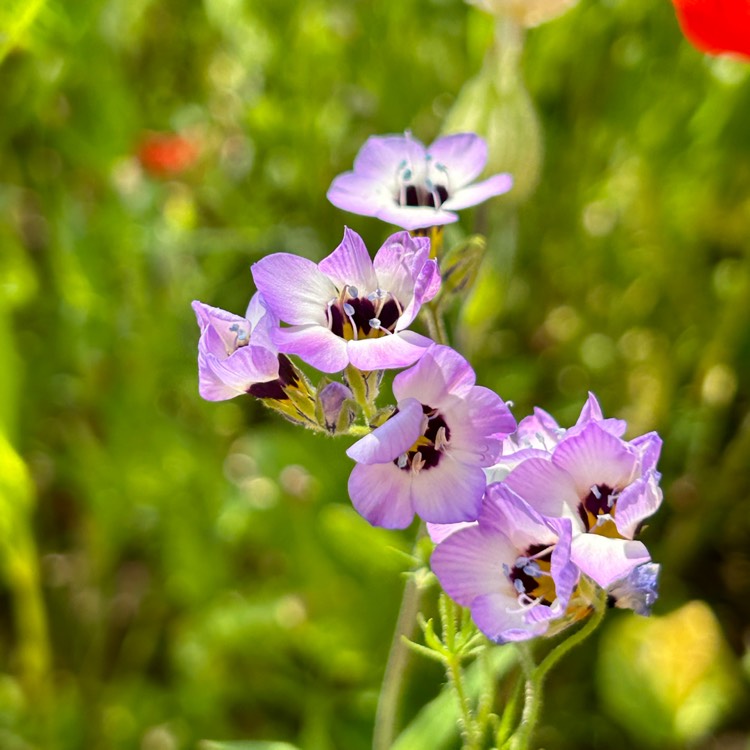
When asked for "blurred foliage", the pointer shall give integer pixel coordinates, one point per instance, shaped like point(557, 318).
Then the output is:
point(202, 572)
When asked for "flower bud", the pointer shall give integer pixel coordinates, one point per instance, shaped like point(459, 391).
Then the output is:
point(525, 12)
point(496, 105)
point(334, 409)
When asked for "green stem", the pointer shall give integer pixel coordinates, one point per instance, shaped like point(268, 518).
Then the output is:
point(535, 682)
point(386, 714)
point(467, 723)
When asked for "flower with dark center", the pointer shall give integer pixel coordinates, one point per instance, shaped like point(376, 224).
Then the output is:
point(350, 309)
point(236, 354)
point(398, 180)
point(512, 568)
point(428, 457)
point(606, 486)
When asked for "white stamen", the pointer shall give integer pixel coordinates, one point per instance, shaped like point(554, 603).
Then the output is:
point(596, 492)
point(518, 586)
point(349, 312)
point(353, 291)
point(441, 441)
point(378, 326)
point(402, 460)
point(417, 462)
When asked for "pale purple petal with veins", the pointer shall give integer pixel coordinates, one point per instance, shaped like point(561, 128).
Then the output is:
point(546, 487)
point(607, 560)
point(381, 496)
point(294, 288)
point(462, 154)
point(440, 372)
point(595, 457)
point(315, 344)
point(392, 438)
point(350, 264)
point(449, 492)
point(380, 155)
point(636, 503)
point(397, 350)
point(479, 192)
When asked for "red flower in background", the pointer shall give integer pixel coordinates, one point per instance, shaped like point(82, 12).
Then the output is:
point(716, 26)
point(167, 154)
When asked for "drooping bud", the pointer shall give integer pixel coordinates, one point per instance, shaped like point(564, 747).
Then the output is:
point(496, 105)
point(525, 12)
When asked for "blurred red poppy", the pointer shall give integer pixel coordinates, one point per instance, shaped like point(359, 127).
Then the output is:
point(716, 26)
point(167, 154)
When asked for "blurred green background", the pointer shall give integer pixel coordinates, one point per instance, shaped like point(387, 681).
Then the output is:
point(175, 570)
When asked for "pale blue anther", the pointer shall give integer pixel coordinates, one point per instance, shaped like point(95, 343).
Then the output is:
point(532, 569)
point(348, 309)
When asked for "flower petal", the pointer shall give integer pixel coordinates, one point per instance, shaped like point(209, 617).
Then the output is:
point(359, 195)
point(381, 156)
point(350, 264)
point(294, 288)
point(449, 492)
point(479, 414)
point(440, 531)
point(469, 563)
point(441, 373)
point(315, 345)
point(397, 350)
point(478, 192)
point(649, 449)
point(606, 560)
point(501, 619)
point(637, 502)
point(546, 487)
point(221, 379)
point(394, 437)
point(595, 457)
point(463, 155)
point(380, 494)
point(415, 217)
point(506, 512)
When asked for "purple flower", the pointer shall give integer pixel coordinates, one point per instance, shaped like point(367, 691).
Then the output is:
point(349, 308)
point(235, 354)
point(512, 569)
point(605, 485)
point(398, 180)
point(428, 457)
point(638, 591)
point(539, 433)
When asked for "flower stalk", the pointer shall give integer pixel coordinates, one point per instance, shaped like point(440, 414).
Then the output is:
point(536, 675)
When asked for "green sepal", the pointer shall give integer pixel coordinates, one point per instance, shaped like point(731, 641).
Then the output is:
point(460, 268)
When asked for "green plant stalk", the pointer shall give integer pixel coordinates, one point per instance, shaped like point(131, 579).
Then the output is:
point(535, 682)
point(467, 724)
point(386, 713)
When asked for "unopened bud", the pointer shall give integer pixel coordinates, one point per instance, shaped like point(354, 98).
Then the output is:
point(334, 408)
point(496, 105)
point(525, 12)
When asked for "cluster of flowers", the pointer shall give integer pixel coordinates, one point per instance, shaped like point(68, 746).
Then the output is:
point(527, 518)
